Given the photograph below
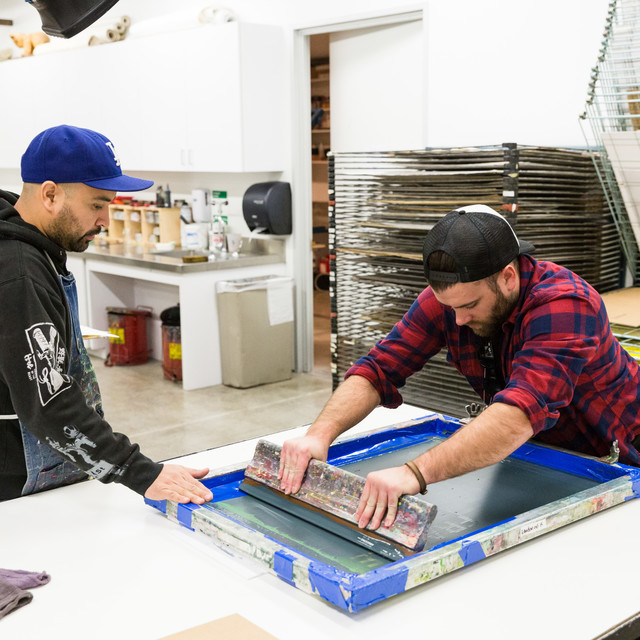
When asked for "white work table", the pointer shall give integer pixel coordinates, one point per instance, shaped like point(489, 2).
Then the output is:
point(109, 278)
point(119, 569)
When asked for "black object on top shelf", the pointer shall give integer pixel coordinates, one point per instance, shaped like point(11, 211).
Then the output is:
point(66, 19)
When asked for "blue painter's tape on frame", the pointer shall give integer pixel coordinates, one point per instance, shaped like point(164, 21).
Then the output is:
point(569, 462)
point(283, 566)
point(378, 443)
point(185, 512)
point(160, 505)
point(226, 492)
point(371, 590)
point(327, 586)
point(634, 474)
point(471, 552)
point(225, 479)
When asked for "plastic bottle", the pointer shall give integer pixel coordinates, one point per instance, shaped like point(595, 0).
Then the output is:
point(159, 197)
point(216, 235)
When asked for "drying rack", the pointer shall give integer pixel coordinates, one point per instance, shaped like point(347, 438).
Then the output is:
point(612, 115)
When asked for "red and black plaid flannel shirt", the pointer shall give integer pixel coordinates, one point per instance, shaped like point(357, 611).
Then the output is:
point(562, 365)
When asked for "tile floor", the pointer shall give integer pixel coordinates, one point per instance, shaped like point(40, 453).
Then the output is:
point(168, 422)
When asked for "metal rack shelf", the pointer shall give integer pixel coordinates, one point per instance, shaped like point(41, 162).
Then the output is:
point(612, 114)
point(381, 206)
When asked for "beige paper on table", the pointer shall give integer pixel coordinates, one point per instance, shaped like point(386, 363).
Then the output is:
point(229, 628)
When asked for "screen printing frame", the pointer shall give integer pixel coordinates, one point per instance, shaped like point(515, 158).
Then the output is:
point(616, 483)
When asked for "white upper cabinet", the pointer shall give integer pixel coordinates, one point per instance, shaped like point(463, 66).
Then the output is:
point(209, 99)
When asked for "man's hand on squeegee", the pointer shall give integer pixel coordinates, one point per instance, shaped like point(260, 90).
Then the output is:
point(351, 402)
point(294, 460)
point(382, 491)
point(497, 432)
point(180, 485)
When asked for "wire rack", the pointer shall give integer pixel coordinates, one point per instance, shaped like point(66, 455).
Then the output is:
point(613, 105)
point(382, 205)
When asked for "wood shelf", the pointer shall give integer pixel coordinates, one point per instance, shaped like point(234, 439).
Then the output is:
point(321, 142)
point(138, 225)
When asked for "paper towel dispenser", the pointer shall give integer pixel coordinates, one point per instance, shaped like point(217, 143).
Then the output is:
point(267, 208)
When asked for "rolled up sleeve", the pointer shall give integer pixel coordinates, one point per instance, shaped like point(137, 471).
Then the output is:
point(560, 339)
point(405, 350)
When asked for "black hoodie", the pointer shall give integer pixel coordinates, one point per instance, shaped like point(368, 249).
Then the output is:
point(32, 297)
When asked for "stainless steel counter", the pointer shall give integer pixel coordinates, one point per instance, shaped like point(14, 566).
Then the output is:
point(254, 252)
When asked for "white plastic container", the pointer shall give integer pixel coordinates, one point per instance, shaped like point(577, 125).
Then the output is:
point(195, 236)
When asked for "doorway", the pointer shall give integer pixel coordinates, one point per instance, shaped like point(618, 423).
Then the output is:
point(320, 145)
point(313, 322)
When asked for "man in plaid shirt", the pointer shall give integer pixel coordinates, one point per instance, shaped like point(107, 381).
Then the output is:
point(532, 338)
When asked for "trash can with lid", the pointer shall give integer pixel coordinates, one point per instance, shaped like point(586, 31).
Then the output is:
point(171, 344)
point(255, 317)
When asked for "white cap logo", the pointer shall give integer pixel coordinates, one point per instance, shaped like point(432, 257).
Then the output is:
point(113, 150)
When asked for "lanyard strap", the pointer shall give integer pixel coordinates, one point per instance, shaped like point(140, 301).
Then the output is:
point(492, 380)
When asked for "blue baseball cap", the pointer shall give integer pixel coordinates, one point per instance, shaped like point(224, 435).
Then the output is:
point(66, 154)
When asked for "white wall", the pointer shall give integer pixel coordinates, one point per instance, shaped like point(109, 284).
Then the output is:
point(496, 70)
point(502, 71)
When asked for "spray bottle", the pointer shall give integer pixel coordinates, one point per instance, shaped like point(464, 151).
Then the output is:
point(218, 227)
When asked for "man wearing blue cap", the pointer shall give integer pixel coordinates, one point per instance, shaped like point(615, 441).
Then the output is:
point(52, 428)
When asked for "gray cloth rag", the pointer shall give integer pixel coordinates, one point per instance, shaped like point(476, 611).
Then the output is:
point(13, 583)
point(25, 579)
point(12, 598)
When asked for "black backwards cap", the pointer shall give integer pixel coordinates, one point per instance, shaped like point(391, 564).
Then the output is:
point(479, 240)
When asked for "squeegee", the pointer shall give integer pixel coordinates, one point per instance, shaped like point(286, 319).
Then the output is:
point(329, 497)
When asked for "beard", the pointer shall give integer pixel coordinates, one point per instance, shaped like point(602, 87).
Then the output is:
point(66, 231)
point(501, 310)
